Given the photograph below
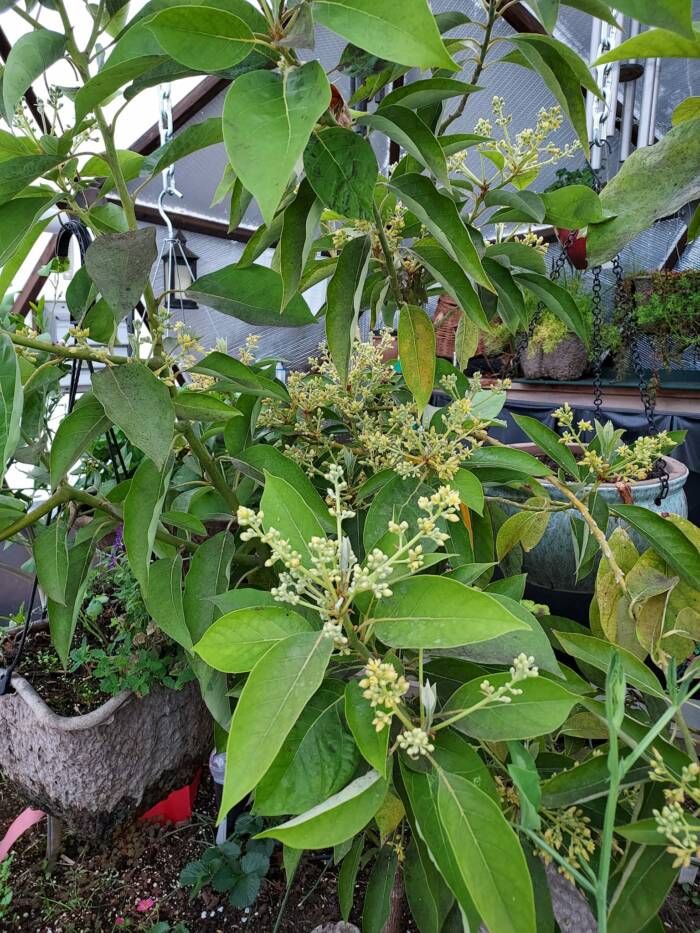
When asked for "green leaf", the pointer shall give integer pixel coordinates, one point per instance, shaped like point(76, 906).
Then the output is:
point(597, 652)
point(598, 8)
point(547, 12)
point(511, 305)
point(470, 490)
point(63, 617)
point(139, 403)
point(208, 576)
point(109, 80)
point(666, 539)
point(669, 14)
point(337, 819)
point(402, 31)
point(190, 139)
point(202, 406)
point(347, 875)
point(17, 217)
point(142, 508)
point(549, 443)
point(236, 642)
point(397, 499)
point(203, 38)
point(436, 612)
point(541, 708)
point(342, 169)
point(373, 745)
point(16, 174)
point(640, 895)
point(269, 459)
point(492, 464)
point(119, 264)
point(299, 229)
point(453, 279)
point(488, 855)
point(252, 294)
point(559, 301)
point(11, 401)
point(417, 353)
point(317, 759)
point(29, 58)
point(164, 599)
point(75, 434)
point(438, 212)
point(688, 109)
point(522, 205)
point(343, 299)
point(273, 697)
point(589, 780)
point(573, 207)
point(286, 510)
point(377, 905)
point(654, 182)
point(646, 832)
point(656, 43)
point(424, 886)
point(247, 380)
point(519, 255)
point(466, 340)
point(406, 128)
point(50, 551)
point(268, 120)
point(426, 92)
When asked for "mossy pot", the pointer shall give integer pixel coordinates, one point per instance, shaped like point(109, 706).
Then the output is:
point(568, 361)
point(95, 771)
point(552, 563)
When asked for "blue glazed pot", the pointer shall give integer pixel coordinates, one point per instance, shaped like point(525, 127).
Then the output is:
point(552, 563)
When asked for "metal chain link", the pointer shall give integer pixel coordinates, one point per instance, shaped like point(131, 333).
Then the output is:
point(597, 341)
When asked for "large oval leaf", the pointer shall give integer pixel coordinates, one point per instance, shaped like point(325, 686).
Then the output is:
point(268, 119)
point(29, 57)
point(202, 38)
point(342, 169)
point(372, 744)
point(74, 435)
point(436, 612)
point(344, 295)
point(236, 642)
point(287, 512)
point(449, 273)
point(417, 353)
point(666, 539)
point(119, 264)
point(337, 819)
point(409, 131)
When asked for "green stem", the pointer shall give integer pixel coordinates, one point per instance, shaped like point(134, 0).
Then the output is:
point(386, 249)
point(605, 852)
point(68, 353)
point(541, 844)
point(210, 467)
point(30, 518)
point(478, 68)
point(687, 737)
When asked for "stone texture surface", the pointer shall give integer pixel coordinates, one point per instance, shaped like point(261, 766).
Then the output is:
point(571, 909)
point(340, 927)
point(93, 772)
point(568, 361)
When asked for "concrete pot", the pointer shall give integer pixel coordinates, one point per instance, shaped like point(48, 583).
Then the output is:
point(95, 771)
point(552, 563)
point(568, 361)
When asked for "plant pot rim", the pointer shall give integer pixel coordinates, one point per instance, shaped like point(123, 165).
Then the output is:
point(44, 714)
point(676, 469)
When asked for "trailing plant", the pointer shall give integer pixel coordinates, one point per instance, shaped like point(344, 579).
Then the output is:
point(668, 309)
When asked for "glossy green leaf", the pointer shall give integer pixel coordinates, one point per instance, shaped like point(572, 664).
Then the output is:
point(286, 510)
point(668, 14)
point(541, 708)
point(190, 139)
point(549, 443)
point(236, 642)
point(119, 264)
point(402, 31)
point(202, 37)
point(341, 167)
point(74, 435)
point(202, 406)
point(470, 490)
point(438, 212)
point(252, 294)
point(268, 119)
point(488, 855)
point(244, 597)
point(29, 57)
point(573, 207)
point(597, 652)
point(588, 780)
point(495, 463)
point(656, 43)
point(343, 299)
point(377, 905)
point(520, 256)
point(164, 599)
point(207, 576)
point(417, 353)
point(347, 875)
point(511, 304)
point(654, 182)
point(336, 819)
point(666, 539)
point(142, 508)
point(11, 401)
point(436, 612)
point(50, 550)
point(647, 881)
point(395, 500)
point(299, 230)
point(17, 174)
point(646, 832)
point(16, 219)
point(559, 301)
point(453, 279)
point(524, 528)
point(63, 617)
point(247, 380)
point(409, 131)
point(426, 92)
point(373, 745)
point(110, 80)
point(317, 759)
point(521, 205)
point(139, 403)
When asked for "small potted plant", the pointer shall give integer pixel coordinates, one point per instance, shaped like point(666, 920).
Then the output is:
point(552, 351)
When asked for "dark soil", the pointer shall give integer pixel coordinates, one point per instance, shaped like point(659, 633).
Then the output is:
point(97, 888)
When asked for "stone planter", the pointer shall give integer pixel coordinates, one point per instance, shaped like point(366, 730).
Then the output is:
point(95, 771)
point(552, 563)
point(566, 363)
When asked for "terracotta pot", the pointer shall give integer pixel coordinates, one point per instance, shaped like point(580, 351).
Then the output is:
point(568, 361)
point(552, 563)
point(95, 771)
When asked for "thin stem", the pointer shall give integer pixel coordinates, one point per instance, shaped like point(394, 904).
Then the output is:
point(210, 467)
point(68, 353)
point(478, 67)
point(420, 688)
point(386, 249)
point(605, 857)
point(687, 737)
point(541, 844)
point(31, 518)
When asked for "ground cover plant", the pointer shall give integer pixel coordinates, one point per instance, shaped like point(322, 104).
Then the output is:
point(330, 556)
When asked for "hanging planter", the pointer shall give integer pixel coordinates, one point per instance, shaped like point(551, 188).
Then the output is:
point(95, 771)
point(552, 563)
point(567, 362)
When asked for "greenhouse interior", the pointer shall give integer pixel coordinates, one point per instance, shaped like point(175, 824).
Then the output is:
point(350, 463)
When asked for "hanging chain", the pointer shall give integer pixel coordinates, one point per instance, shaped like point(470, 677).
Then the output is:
point(597, 341)
point(165, 126)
